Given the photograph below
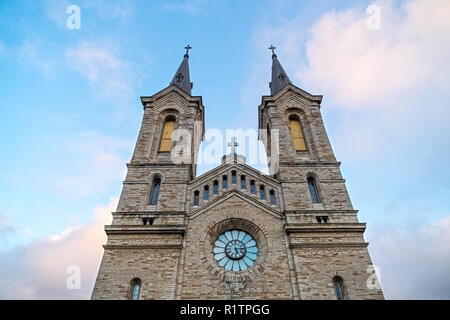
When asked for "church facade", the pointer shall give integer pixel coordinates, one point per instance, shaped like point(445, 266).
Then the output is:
point(234, 232)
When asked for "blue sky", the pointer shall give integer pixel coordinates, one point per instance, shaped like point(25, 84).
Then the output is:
point(71, 114)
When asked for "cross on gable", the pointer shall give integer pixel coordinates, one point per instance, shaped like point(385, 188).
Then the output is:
point(233, 144)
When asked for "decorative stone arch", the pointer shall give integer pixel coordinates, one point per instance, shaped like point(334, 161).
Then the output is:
point(316, 178)
point(133, 282)
point(149, 188)
point(243, 277)
point(168, 114)
point(340, 280)
point(299, 114)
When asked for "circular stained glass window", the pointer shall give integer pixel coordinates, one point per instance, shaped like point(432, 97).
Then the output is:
point(235, 250)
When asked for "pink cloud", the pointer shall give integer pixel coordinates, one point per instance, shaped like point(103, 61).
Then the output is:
point(362, 66)
point(39, 270)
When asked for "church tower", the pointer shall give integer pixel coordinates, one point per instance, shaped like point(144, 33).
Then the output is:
point(235, 232)
point(324, 235)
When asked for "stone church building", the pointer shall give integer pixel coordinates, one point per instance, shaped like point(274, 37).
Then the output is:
point(235, 232)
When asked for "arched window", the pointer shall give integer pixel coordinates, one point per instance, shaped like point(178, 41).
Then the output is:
point(224, 182)
point(272, 198)
point(135, 288)
point(338, 285)
point(155, 191)
point(313, 190)
point(216, 187)
point(262, 193)
point(196, 197)
point(297, 135)
point(233, 177)
point(252, 187)
point(206, 193)
point(166, 136)
point(243, 184)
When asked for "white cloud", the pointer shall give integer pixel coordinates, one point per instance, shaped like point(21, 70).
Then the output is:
point(414, 264)
point(108, 75)
point(56, 11)
point(36, 54)
point(39, 270)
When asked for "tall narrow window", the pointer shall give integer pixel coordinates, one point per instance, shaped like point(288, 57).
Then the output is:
point(313, 190)
point(297, 134)
point(216, 187)
point(243, 184)
point(338, 285)
point(272, 198)
point(233, 177)
point(166, 137)
point(252, 187)
point(135, 289)
point(196, 197)
point(262, 193)
point(224, 182)
point(206, 193)
point(155, 191)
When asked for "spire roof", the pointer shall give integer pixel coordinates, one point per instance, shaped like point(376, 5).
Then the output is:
point(279, 77)
point(181, 78)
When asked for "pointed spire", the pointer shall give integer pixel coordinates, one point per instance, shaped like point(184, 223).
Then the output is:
point(181, 78)
point(279, 76)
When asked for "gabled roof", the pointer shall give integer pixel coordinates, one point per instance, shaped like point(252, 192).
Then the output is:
point(239, 194)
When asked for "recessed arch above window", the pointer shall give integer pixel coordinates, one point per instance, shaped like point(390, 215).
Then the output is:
point(216, 187)
point(154, 194)
point(338, 284)
point(262, 192)
point(252, 187)
point(272, 197)
point(135, 286)
point(196, 197)
point(225, 182)
point(243, 183)
point(312, 186)
point(206, 193)
point(297, 133)
point(166, 134)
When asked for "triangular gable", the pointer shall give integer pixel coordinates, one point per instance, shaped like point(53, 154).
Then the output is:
point(235, 193)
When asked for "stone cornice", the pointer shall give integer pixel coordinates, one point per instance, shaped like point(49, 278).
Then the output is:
point(321, 211)
point(144, 213)
point(329, 245)
point(308, 163)
point(140, 229)
point(144, 246)
point(324, 227)
point(158, 165)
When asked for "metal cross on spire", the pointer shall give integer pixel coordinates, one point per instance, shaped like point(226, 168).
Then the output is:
point(273, 49)
point(187, 49)
point(233, 144)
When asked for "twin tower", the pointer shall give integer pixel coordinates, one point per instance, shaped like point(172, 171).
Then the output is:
point(234, 232)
